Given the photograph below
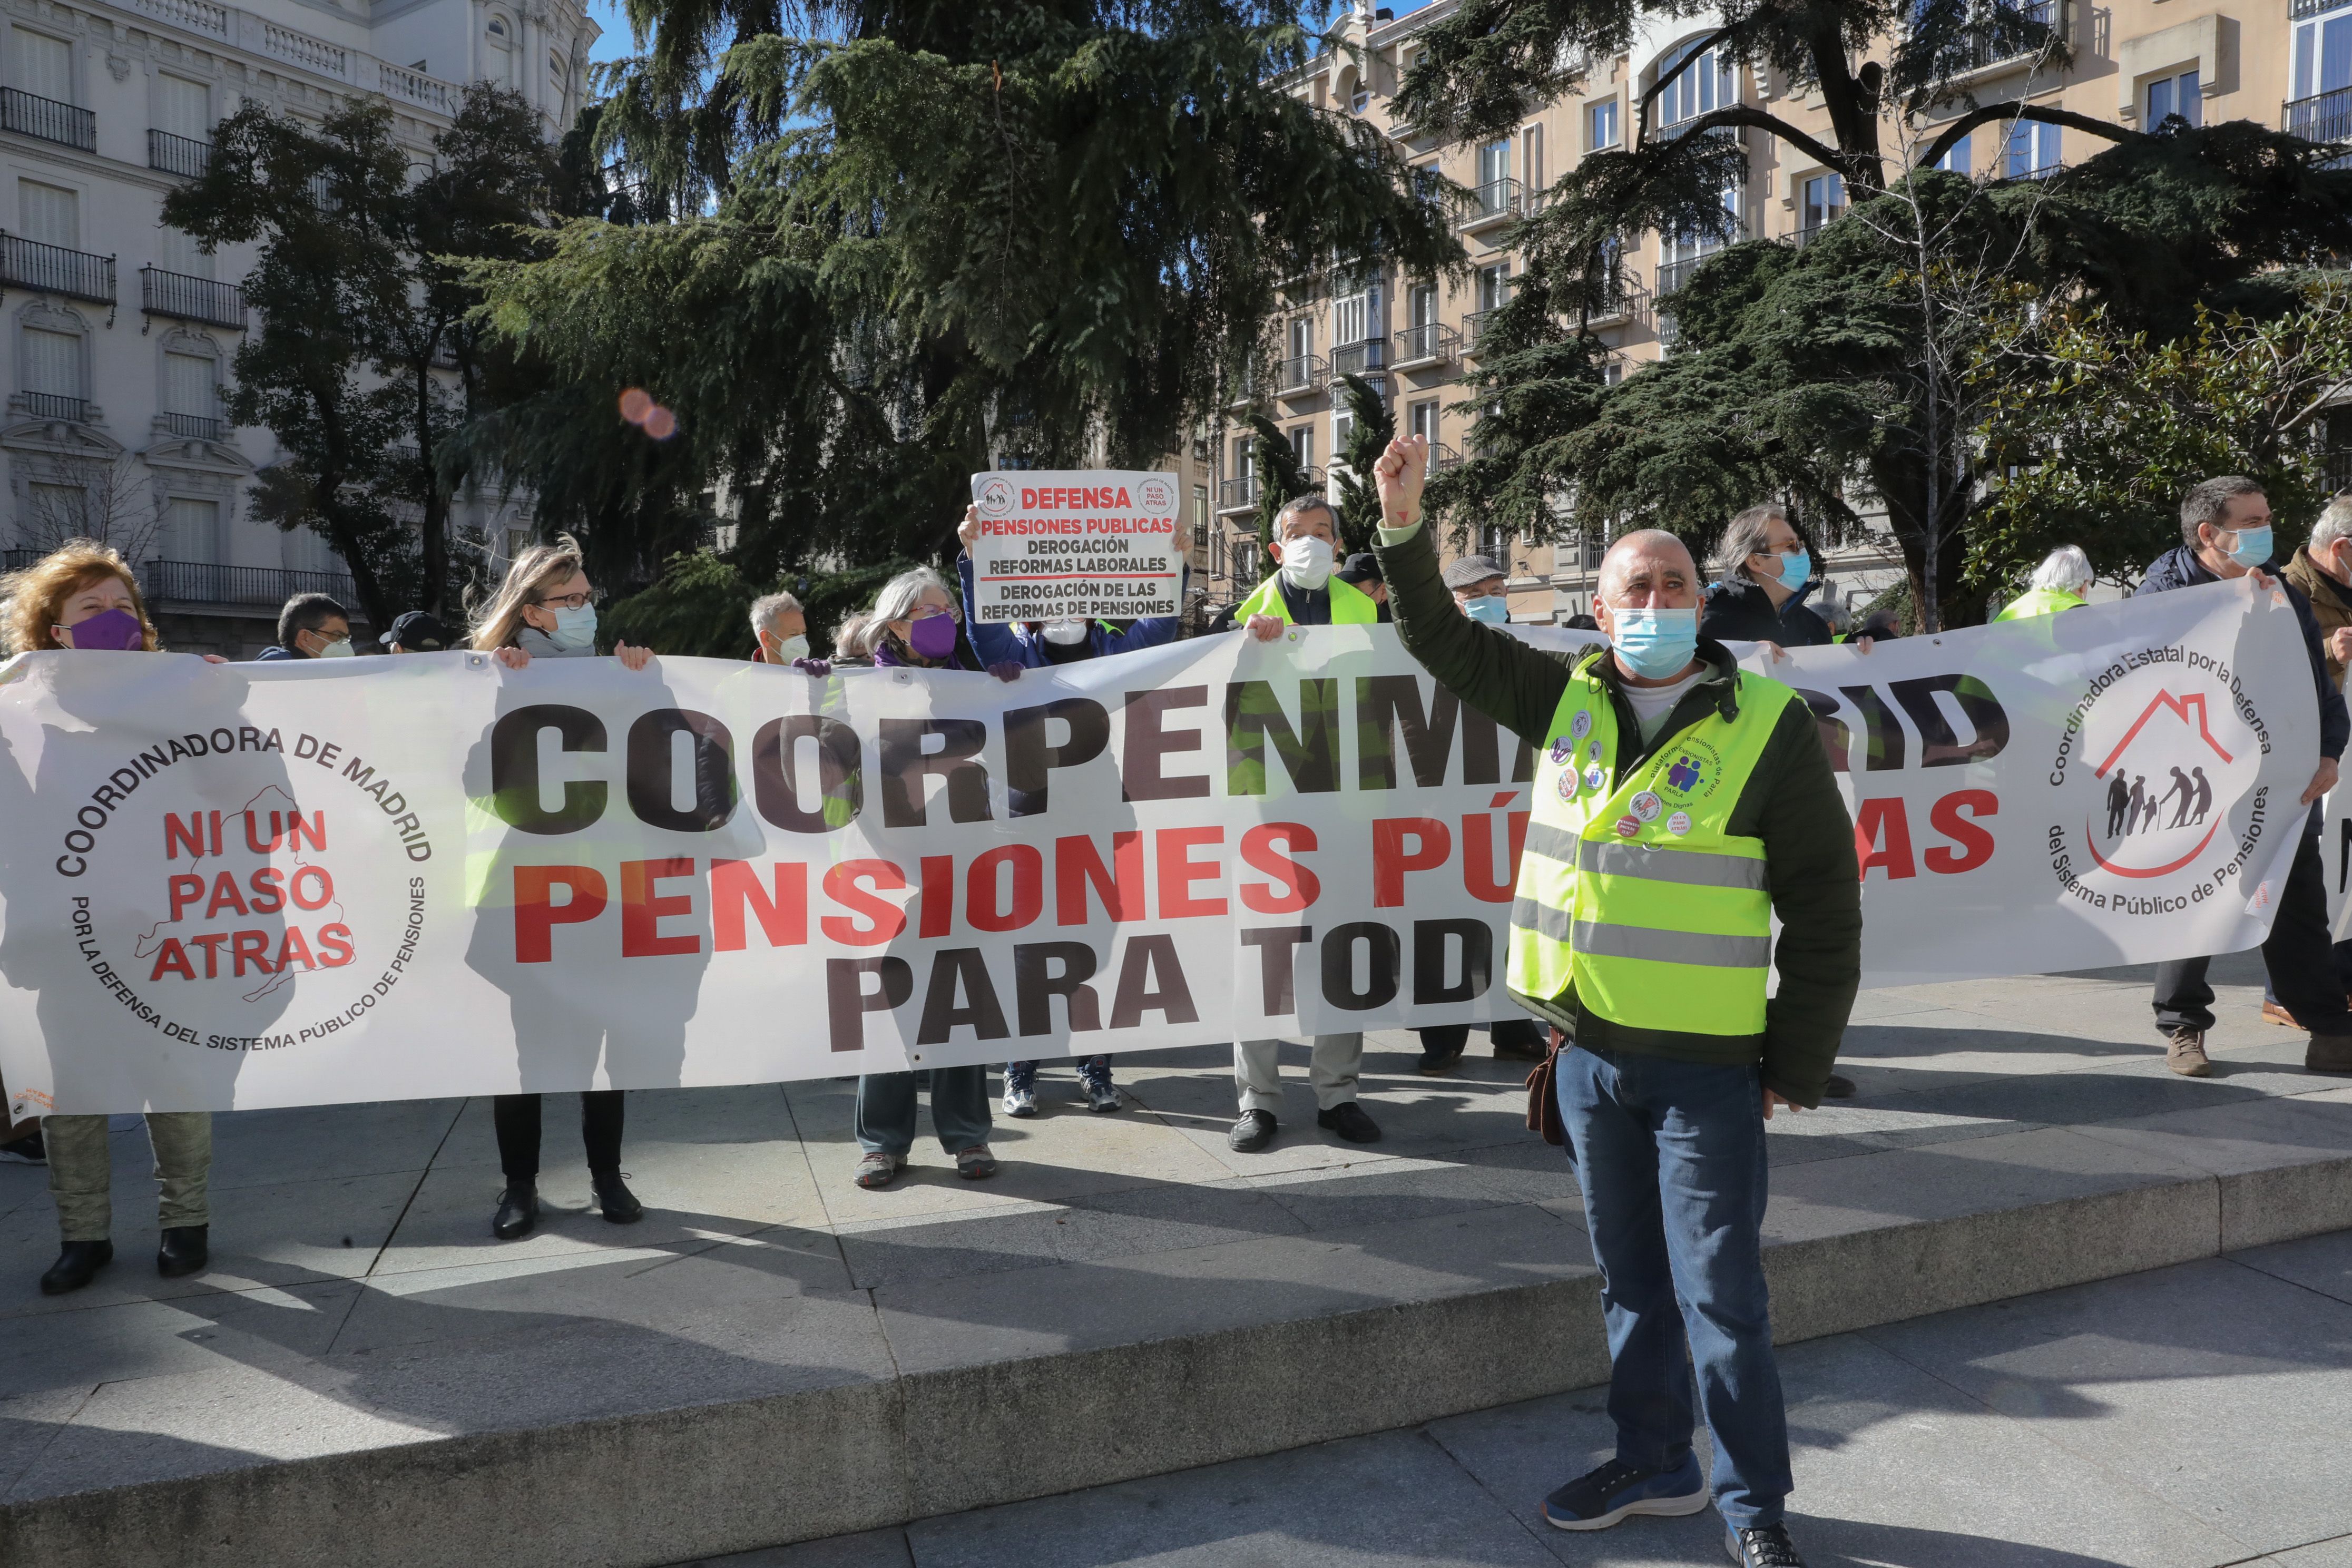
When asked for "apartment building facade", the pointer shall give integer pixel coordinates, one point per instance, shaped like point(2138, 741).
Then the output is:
point(121, 330)
point(2282, 62)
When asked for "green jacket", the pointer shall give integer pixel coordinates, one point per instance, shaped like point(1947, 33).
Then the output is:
point(1791, 802)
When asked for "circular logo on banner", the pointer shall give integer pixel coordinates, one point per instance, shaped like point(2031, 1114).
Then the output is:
point(1562, 748)
point(1645, 806)
point(1678, 824)
point(1581, 725)
point(1156, 495)
point(1594, 777)
point(995, 498)
point(1627, 827)
point(2159, 800)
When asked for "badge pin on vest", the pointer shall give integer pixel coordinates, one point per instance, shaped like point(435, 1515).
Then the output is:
point(1594, 777)
point(1568, 783)
point(1679, 824)
point(1562, 749)
point(1627, 826)
point(1579, 726)
point(1647, 807)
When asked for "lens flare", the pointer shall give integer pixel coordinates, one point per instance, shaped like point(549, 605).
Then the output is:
point(636, 404)
point(660, 423)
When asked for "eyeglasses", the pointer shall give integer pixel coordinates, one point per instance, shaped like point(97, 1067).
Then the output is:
point(568, 602)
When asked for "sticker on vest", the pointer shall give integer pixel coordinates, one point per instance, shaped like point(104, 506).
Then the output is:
point(1581, 725)
point(1698, 770)
point(1562, 749)
point(1678, 824)
point(1645, 806)
point(1568, 783)
point(1594, 777)
point(1627, 826)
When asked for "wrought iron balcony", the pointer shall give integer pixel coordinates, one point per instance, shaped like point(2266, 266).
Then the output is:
point(1237, 495)
point(55, 405)
point(2324, 117)
point(187, 298)
point(1475, 328)
point(1983, 56)
point(1496, 202)
point(1623, 299)
point(1442, 457)
point(202, 583)
point(1428, 344)
point(47, 119)
point(178, 154)
point(1300, 375)
point(191, 426)
point(1673, 275)
point(1367, 358)
point(54, 269)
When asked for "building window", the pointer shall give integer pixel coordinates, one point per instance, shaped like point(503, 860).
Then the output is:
point(2171, 95)
point(503, 54)
point(1705, 86)
point(2034, 149)
point(1494, 164)
point(183, 108)
point(1343, 424)
point(43, 65)
point(2323, 56)
point(49, 214)
point(1217, 554)
point(1532, 159)
point(1824, 200)
point(1421, 419)
point(1359, 99)
point(1599, 125)
point(191, 530)
point(1200, 516)
point(1302, 337)
point(53, 514)
point(53, 365)
point(1494, 286)
point(189, 400)
point(1958, 159)
point(1302, 444)
point(1356, 314)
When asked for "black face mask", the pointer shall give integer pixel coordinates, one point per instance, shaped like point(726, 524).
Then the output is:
point(1067, 653)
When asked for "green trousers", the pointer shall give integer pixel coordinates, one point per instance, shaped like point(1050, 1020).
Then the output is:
point(81, 1169)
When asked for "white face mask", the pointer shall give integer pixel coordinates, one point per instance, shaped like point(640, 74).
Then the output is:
point(1066, 634)
point(790, 649)
point(337, 649)
point(1306, 561)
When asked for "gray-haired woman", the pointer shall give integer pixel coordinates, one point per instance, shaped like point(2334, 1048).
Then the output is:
point(1765, 568)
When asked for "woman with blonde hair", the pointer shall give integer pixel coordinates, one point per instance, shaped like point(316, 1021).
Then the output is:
point(82, 596)
point(546, 609)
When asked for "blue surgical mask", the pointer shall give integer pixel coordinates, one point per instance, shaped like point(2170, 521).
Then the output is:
point(2253, 546)
point(1654, 644)
point(1796, 569)
point(575, 629)
point(1493, 609)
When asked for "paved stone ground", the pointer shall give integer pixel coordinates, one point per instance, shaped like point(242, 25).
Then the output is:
point(2187, 1417)
point(358, 1302)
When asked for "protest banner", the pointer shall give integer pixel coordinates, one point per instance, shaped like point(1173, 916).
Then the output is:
point(298, 883)
point(1068, 545)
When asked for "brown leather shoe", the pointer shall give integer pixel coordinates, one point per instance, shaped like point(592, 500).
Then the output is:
point(2328, 1053)
point(2274, 1013)
point(2184, 1053)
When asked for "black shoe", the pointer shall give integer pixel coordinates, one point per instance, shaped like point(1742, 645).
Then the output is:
point(1762, 1546)
point(1348, 1121)
point(77, 1264)
point(1839, 1087)
point(1437, 1064)
point(27, 1151)
point(186, 1249)
point(1511, 1048)
point(619, 1204)
point(1253, 1132)
point(518, 1212)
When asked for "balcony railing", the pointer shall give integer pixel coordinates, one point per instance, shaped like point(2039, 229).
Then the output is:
point(1237, 495)
point(1476, 327)
point(191, 426)
point(47, 118)
point(54, 269)
point(1623, 299)
point(1984, 55)
point(1497, 201)
point(2325, 117)
point(55, 405)
point(1368, 357)
point(1442, 457)
point(202, 583)
point(1673, 275)
point(178, 154)
point(1298, 375)
point(1427, 345)
point(187, 298)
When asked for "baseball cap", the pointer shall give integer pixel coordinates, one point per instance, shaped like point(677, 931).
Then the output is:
point(417, 631)
point(1361, 567)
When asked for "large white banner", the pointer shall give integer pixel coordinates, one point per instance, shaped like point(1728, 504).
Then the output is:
point(298, 883)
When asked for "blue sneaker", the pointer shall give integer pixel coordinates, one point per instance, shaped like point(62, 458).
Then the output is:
point(1600, 1498)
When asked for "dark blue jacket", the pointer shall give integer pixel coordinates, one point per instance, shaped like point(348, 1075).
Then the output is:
point(2179, 568)
point(1736, 610)
point(274, 651)
point(1013, 645)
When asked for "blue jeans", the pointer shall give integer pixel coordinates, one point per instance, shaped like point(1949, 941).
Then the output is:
point(1671, 1158)
point(885, 1109)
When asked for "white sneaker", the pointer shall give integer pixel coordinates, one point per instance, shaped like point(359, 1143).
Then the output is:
point(1021, 1101)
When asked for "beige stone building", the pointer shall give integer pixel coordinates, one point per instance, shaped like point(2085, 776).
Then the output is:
point(2283, 62)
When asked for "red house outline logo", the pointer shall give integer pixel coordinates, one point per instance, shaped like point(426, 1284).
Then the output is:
point(2190, 710)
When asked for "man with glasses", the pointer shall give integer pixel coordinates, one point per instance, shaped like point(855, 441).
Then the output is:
point(312, 625)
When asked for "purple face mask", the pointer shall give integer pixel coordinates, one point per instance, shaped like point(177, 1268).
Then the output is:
point(111, 631)
point(933, 637)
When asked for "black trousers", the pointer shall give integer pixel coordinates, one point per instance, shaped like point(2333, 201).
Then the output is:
point(2298, 956)
point(516, 1116)
point(1444, 1039)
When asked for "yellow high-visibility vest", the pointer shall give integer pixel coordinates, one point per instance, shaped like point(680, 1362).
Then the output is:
point(2038, 602)
point(1350, 605)
point(1634, 890)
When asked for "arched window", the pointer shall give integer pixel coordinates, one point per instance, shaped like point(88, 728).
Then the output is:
point(1709, 83)
point(499, 66)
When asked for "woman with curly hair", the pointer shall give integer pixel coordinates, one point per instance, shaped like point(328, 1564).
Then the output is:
point(82, 596)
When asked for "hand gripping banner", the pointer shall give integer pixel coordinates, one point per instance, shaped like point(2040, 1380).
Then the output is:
point(304, 883)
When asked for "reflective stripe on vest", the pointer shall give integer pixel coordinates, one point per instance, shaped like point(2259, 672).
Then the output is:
point(1350, 605)
point(1633, 890)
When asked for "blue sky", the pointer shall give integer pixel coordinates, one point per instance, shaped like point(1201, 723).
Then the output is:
point(614, 44)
